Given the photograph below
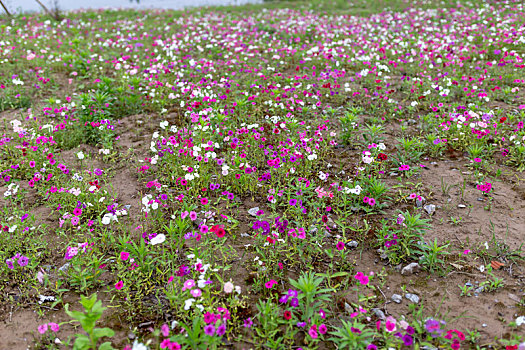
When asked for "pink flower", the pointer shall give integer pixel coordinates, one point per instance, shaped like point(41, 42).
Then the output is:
point(54, 327)
point(124, 256)
point(313, 332)
point(119, 285)
point(340, 245)
point(196, 292)
point(184, 214)
point(322, 329)
point(362, 278)
point(165, 330)
point(270, 284)
point(42, 328)
point(188, 284)
point(193, 216)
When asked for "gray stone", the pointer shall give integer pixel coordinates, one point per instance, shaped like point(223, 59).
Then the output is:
point(396, 298)
point(410, 269)
point(420, 202)
point(352, 244)
point(253, 211)
point(348, 308)
point(462, 206)
point(380, 314)
point(412, 297)
point(64, 267)
point(430, 208)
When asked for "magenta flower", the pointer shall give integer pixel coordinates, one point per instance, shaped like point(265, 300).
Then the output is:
point(340, 245)
point(42, 328)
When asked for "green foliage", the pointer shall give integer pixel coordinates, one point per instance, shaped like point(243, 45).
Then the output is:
point(93, 310)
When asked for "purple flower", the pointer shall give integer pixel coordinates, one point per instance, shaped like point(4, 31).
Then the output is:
point(248, 322)
point(293, 202)
point(9, 264)
point(221, 330)
point(209, 330)
point(407, 340)
point(23, 261)
point(433, 327)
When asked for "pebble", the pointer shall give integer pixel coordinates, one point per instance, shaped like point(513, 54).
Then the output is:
point(131, 335)
point(253, 211)
point(380, 314)
point(462, 206)
point(352, 244)
point(396, 298)
point(412, 297)
point(430, 208)
point(64, 267)
point(419, 203)
point(410, 269)
point(348, 308)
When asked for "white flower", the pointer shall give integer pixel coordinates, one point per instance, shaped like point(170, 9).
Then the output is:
point(520, 320)
point(80, 155)
point(106, 219)
point(238, 289)
point(139, 346)
point(188, 303)
point(158, 239)
point(228, 287)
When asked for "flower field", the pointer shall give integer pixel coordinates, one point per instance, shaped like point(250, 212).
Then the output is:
point(287, 175)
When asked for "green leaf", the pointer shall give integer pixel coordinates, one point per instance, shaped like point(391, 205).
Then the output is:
point(103, 332)
point(106, 346)
point(82, 343)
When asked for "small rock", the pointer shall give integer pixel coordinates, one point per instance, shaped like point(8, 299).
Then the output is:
point(131, 335)
point(46, 298)
point(253, 211)
point(380, 314)
point(313, 229)
point(481, 199)
point(352, 244)
point(484, 325)
point(462, 206)
point(420, 202)
point(348, 308)
point(430, 208)
point(410, 269)
point(396, 298)
point(479, 289)
point(64, 267)
point(398, 267)
point(394, 174)
point(412, 297)
point(354, 208)
point(433, 163)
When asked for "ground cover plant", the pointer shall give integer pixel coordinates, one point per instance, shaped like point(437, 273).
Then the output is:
point(306, 175)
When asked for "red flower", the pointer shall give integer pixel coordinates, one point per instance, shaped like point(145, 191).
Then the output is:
point(503, 119)
point(287, 315)
point(382, 156)
point(324, 219)
point(218, 230)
